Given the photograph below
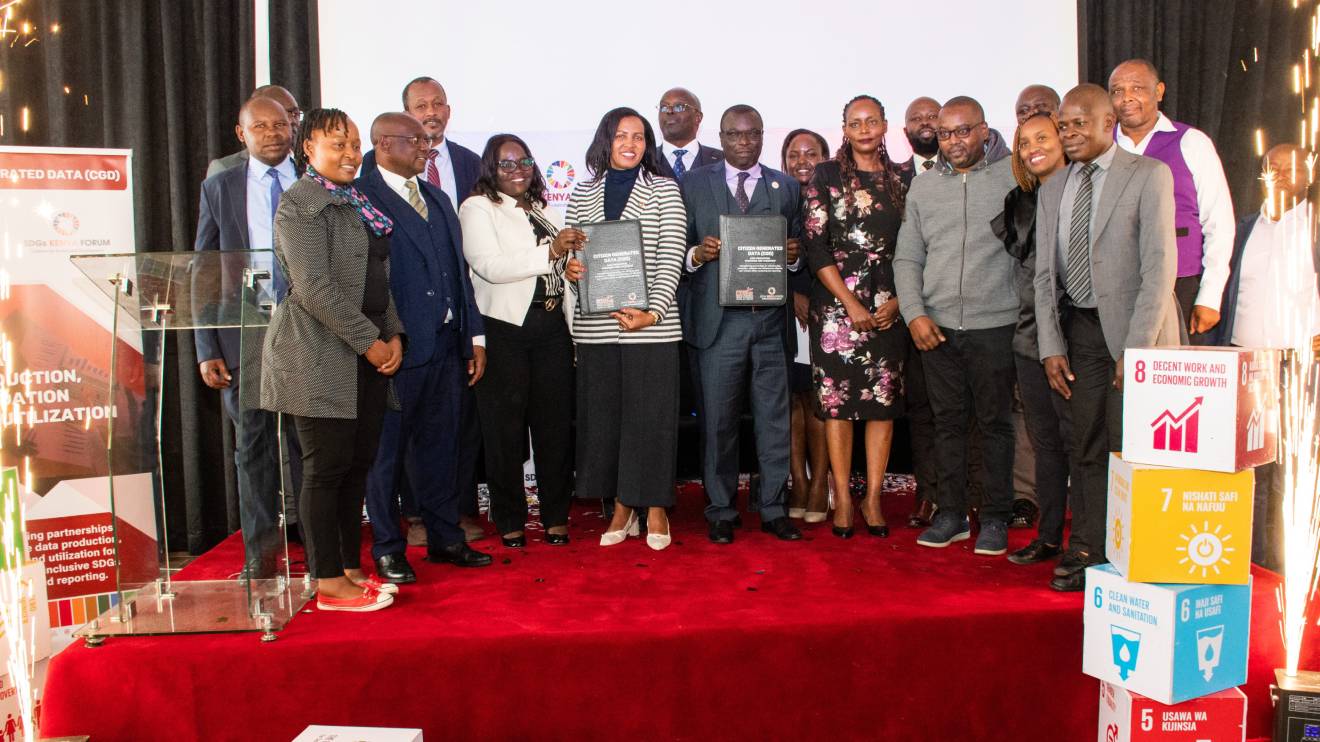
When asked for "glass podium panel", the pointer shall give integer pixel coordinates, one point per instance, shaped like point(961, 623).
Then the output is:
point(229, 295)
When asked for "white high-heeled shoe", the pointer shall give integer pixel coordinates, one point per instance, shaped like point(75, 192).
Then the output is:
point(797, 512)
point(658, 541)
point(611, 538)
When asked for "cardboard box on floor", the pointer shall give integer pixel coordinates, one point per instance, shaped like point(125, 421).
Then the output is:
point(320, 733)
point(1130, 717)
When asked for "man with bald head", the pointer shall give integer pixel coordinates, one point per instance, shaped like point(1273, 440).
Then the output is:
point(680, 119)
point(1271, 301)
point(433, 293)
point(956, 292)
point(919, 123)
point(1106, 259)
point(1036, 99)
point(286, 101)
point(237, 212)
point(1203, 208)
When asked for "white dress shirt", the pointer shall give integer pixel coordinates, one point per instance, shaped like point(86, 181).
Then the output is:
point(1277, 303)
point(919, 162)
point(399, 185)
point(689, 153)
point(1212, 200)
point(260, 211)
point(444, 163)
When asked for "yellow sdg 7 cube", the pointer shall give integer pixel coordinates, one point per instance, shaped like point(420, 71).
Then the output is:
point(1179, 525)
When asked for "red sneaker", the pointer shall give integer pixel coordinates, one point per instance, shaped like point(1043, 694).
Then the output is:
point(375, 584)
point(369, 600)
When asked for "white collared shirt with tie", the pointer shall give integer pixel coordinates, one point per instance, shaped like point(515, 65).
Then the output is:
point(444, 165)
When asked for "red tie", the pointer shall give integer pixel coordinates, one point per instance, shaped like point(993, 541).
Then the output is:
point(432, 172)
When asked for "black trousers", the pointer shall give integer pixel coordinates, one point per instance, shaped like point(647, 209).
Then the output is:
point(1048, 424)
point(972, 373)
point(528, 384)
point(337, 453)
point(1185, 290)
point(627, 435)
point(921, 423)
point(1096, 408)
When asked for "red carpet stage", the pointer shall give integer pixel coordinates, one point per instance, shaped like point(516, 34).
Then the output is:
point(875, 639)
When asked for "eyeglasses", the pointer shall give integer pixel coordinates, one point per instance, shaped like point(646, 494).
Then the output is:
point(677, 108)
point(962, 132)
point(414, 140)
point(751, 135)
point(508, 166)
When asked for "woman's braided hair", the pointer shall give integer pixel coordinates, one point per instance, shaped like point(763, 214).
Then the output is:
point(890, 177)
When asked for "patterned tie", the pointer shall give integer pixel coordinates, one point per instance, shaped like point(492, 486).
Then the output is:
point(415, 198)
point(928, 164)
point(432, 170)
point(275, 191)
point(679, 168)
point(1078, 284)
point(740, 195)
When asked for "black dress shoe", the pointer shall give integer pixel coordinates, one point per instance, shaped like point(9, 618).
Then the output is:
point(459, 555)
point(1073, 583)
point(721, 532)
point(920, 517)
point(737, 521)
point(1072, 562)
point(1024, 514)
point(842, 532)
point(782, 529)
point(396, 569)
point(514, 542)
point(1034, 552)
point(556, 539)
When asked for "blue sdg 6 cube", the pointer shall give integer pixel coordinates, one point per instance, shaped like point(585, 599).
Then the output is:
point(1171, 643)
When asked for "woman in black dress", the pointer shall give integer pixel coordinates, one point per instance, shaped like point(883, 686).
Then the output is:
point(852, 211)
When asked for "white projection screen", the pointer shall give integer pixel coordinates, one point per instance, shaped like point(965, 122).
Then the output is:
point(548, 71)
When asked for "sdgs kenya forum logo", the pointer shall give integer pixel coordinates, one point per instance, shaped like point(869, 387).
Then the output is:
point(560, 175)
point(65, 223)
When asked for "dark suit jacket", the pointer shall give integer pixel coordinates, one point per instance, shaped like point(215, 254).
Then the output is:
point(467, 169)
point(222, 225)
point(415, 268)
point(705, 156)
point(1223, 332)
point(706, 196)
point(221, 164)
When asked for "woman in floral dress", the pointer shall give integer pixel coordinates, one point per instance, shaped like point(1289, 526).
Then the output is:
point(852, 211)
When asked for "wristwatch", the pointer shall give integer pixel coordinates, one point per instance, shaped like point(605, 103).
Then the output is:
point(655, 314)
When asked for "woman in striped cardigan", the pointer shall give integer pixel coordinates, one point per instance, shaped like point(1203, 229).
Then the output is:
point(627, 361)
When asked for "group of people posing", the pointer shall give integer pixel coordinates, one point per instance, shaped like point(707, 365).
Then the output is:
point(422, 273)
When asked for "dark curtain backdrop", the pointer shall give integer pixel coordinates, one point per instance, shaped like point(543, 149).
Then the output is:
point(164, 78)
point(1226, 64)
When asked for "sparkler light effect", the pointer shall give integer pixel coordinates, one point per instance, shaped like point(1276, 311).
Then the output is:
point(17, 600)
point(1299, 434)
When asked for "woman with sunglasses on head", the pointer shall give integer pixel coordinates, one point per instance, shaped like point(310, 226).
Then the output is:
point(1037, 155)
point(517, 252)
point(627, 373)
point(852, 211)
point(803, 150)
point(330, 350)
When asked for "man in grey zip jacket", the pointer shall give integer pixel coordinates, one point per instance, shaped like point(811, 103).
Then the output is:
point(956, 292)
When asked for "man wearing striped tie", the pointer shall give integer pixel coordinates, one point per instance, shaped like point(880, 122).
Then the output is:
point(1106, 260)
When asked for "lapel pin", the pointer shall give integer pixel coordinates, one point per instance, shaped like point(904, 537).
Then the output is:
point(774, 184)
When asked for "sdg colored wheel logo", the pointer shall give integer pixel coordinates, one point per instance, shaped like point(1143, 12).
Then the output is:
point(560, 175)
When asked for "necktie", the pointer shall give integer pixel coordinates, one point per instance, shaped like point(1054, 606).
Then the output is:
point(679, 168)
point(432, 169)
point(928, 164)
point(275, 191)
point(415, 198)
point(1078, 284)
point(740, 195)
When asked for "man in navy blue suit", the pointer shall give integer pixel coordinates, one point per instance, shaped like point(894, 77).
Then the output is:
point(429, 280)
point(237, 213)
point(735, 343)
point(453, 169)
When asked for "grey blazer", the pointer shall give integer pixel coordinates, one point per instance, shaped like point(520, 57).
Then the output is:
point(221, 164)
point(310, 359)
point(1134, 258)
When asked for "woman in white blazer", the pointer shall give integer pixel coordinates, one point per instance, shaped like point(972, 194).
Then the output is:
point(517, 253)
